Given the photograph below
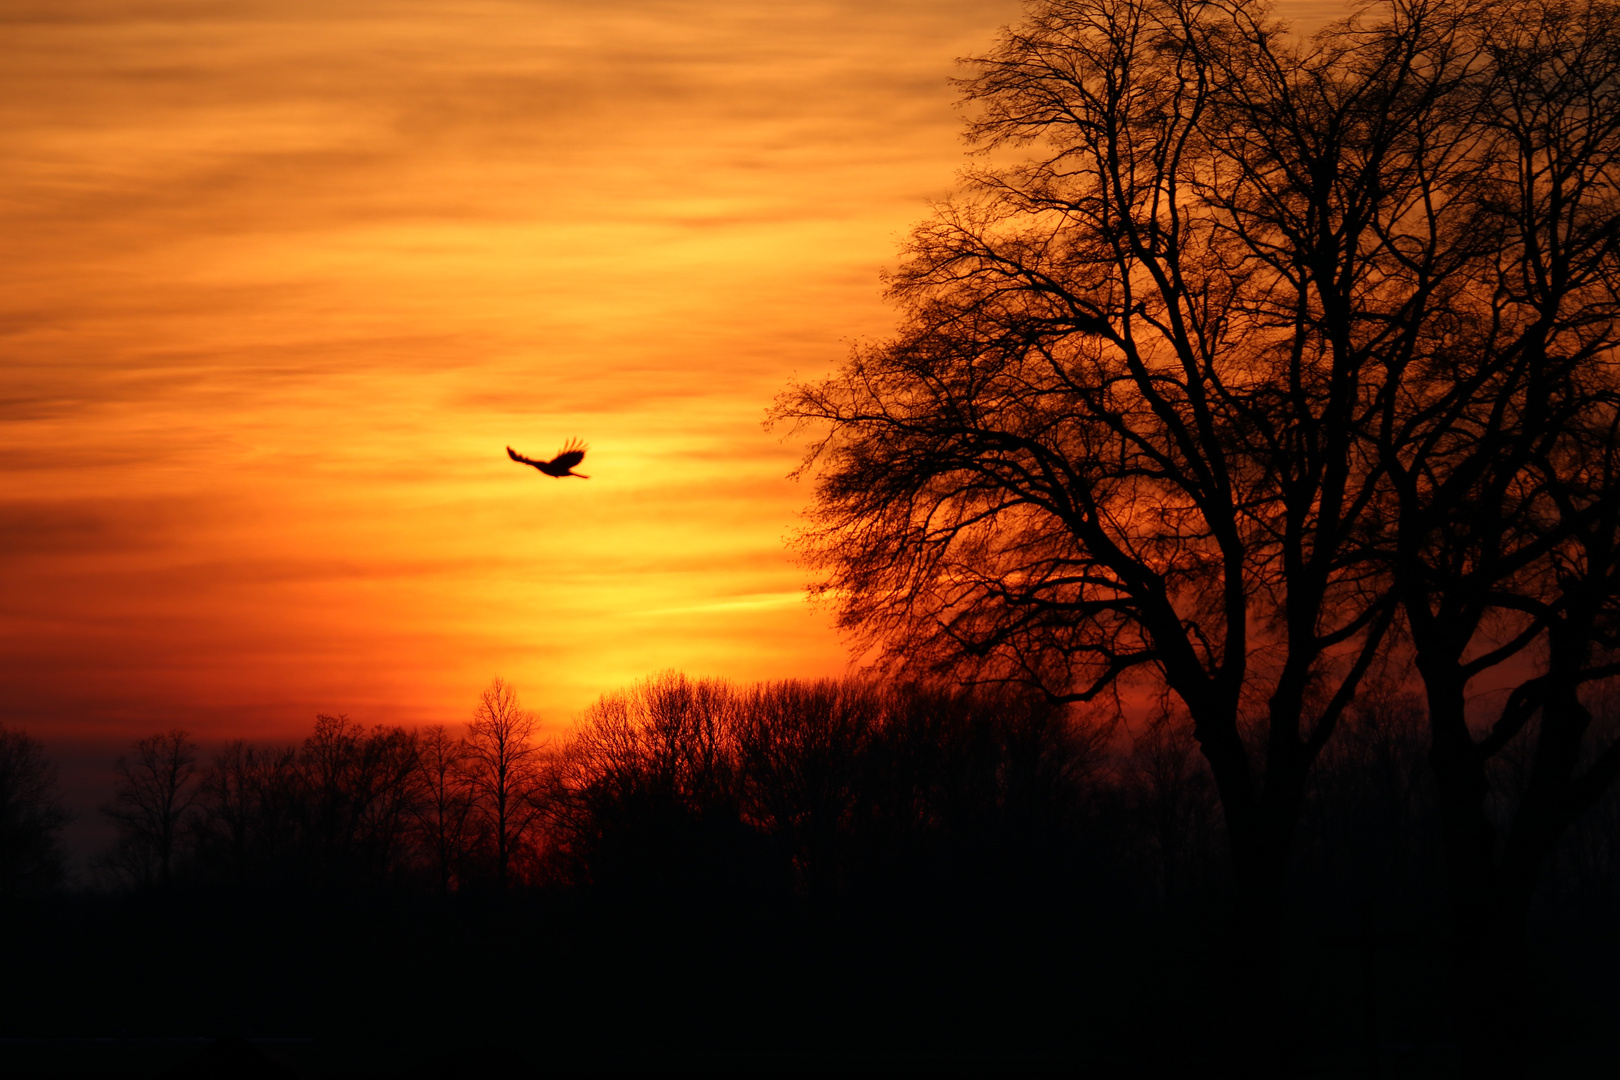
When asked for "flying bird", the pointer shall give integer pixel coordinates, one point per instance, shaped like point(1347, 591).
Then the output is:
point(561, 465)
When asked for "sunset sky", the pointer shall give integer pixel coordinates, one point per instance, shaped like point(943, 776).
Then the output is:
point(282, 279)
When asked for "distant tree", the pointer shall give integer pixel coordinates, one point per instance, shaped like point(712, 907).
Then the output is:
point(985, 786)
point(335, 793)
point(654, 798)
point(158, 783)
point(802, 751)
point(31, 818)
point(833, 790)
point(361, 788)
point(1171, 798)
point(251, 817)
point(442, 813)
point(505, 776)
point(390, 760)
point(1371, 816)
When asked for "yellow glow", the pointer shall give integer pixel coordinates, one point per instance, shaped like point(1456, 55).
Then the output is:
point(282, 281)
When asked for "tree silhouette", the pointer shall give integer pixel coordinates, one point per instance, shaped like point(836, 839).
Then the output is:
point(655, 791)
point(1266, 345)
point(158, 783)
point(360, 790)
point(1501, 451)
point(504, 774)
point(766, 847)
point(802, 748)
point(31, 818)
point(250, 825)
point(1116, 437)
point(442, 813)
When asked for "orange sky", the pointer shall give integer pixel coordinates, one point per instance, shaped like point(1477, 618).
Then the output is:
point(282, 279)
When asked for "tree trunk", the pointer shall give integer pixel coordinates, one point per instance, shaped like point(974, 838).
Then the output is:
point(1492, 1008)
point(1253, 1012)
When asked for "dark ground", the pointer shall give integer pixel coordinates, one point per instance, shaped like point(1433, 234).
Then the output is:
point(211, 984)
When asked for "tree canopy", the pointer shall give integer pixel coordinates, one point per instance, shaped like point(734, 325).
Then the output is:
point(1246, 364)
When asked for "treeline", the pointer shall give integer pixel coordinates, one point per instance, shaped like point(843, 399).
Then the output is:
point(349, 807)
point(813, 792)
point(675, 786)
point(679, 788)
point(891, 866)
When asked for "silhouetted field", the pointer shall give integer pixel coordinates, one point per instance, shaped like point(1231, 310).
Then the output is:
point(825, 877)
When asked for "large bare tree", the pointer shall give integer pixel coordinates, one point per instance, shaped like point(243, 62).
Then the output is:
point(1501, 451)
point(1265, 349)
point(1115, 440)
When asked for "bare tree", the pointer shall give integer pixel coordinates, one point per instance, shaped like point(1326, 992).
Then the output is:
point(1267, 344)
point(31, 818)
point(391, 762)
point(251, 815)
point(442, 813)
point(504, 774)
point(668, 739)
point(653, 785)
point(1116, 438)
point(800, 748)
point(1502, 451)
point(360, 790)
point(335, 794)
point(158, 783)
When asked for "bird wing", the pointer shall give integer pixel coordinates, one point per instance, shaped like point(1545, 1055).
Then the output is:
point(568, 460)
point(515, 456)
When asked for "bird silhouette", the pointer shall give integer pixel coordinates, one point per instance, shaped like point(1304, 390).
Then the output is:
point(561, 465)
